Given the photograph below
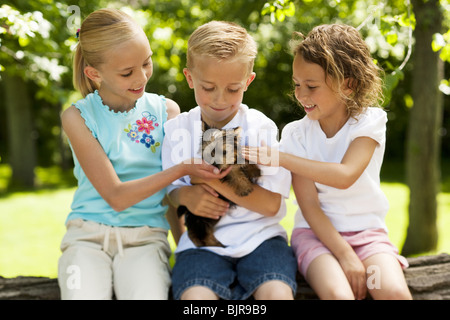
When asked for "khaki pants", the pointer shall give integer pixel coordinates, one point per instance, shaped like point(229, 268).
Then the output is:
point(99, 261)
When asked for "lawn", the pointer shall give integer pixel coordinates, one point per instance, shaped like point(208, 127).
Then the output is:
point(32, 222)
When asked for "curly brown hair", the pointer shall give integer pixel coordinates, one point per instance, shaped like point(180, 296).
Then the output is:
point(343, 54)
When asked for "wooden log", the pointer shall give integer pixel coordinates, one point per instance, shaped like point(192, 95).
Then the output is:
point(29, 288)
point(428, 278)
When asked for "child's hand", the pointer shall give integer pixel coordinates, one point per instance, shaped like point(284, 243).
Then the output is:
point(205, 202)
point(356, 274)
point(205, 179)
point(197, 180)
point(203, 170)
point(261, 155)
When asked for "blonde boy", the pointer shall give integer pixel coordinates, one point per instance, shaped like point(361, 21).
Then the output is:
point(256, 259)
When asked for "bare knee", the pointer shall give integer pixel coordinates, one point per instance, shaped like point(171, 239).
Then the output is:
point(399, 295)
point(199, 293)
point(274, 290)
point(387, 279)
point(394, 292)
point(328, 280)
point(337, 293)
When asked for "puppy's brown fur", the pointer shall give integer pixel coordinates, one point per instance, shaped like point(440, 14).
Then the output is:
point(221, 148)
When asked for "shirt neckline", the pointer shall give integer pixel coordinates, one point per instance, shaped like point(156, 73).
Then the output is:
point(113, 112)
point(336, 136)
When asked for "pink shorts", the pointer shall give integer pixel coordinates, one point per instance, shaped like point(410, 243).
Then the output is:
point(366, 243)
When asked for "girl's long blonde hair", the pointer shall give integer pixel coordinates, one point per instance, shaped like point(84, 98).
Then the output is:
point(343, 54)
point(101, 31)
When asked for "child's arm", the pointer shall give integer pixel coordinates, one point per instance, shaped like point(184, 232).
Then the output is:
point(338, 175)
point(173, 109)
point(100, 172)
point(308, 200)
point(259, 200)
point(176, 225)
point(201, 200)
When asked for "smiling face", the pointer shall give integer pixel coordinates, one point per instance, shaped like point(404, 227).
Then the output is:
point(219, 87)
point(314, 91)
point(124, 74)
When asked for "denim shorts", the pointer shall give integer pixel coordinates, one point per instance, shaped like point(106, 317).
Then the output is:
point(235, 278)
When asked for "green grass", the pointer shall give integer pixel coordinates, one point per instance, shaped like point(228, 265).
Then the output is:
point(31, 228)
point(32, 222)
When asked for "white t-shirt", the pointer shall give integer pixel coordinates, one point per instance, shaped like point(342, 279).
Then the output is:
point(361, 206)
point(240, 230)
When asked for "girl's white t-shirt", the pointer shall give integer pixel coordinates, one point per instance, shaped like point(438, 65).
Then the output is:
point(240, 230)
point(363, 205)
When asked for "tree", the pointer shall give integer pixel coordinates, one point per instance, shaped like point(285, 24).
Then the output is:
point(423, 145)
point(18, 29)
point(21, 144)
point(33, 55)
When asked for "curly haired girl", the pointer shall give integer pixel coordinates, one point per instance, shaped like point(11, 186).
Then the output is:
point(335, 154)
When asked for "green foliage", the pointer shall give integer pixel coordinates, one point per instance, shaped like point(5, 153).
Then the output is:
point(279, 10)
point(29, 48)
point(391, 82)
point(37, 39)
point(441, 42)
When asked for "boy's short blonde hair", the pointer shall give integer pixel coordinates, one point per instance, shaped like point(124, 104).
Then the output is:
point(222, 40)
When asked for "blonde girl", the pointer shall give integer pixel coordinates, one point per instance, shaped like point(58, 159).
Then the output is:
point(335, 154)
point(116, 241)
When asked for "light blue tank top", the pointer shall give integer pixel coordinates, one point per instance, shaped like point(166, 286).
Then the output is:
point(132, 141)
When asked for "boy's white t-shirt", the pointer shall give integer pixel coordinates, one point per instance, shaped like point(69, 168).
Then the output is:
point(363, 205)
point(240, 230)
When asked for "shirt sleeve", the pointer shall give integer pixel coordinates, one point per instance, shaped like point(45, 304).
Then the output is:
point(371, 124)
point(175, 145)
point(292, 139)
point(275, 179)
point(83, 106)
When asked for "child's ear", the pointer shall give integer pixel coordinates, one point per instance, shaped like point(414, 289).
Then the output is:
point(250, 80)
point(188, 75)
point(347, 87)
point(92, 74)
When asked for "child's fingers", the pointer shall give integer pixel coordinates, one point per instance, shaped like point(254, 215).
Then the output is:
point(208, 204)
point(224, 172)
point(213, 209)
point(210, 190)
point(358, 284)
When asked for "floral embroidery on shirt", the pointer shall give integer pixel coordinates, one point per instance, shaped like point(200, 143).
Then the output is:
point(145, 125)
point(139, 131)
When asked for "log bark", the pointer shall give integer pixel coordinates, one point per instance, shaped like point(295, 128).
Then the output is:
point(428, 278)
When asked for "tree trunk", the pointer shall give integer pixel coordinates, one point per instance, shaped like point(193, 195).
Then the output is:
point(21, 132)
point(423, 145)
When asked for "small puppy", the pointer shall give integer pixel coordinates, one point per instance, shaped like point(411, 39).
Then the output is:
point(221, 148)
